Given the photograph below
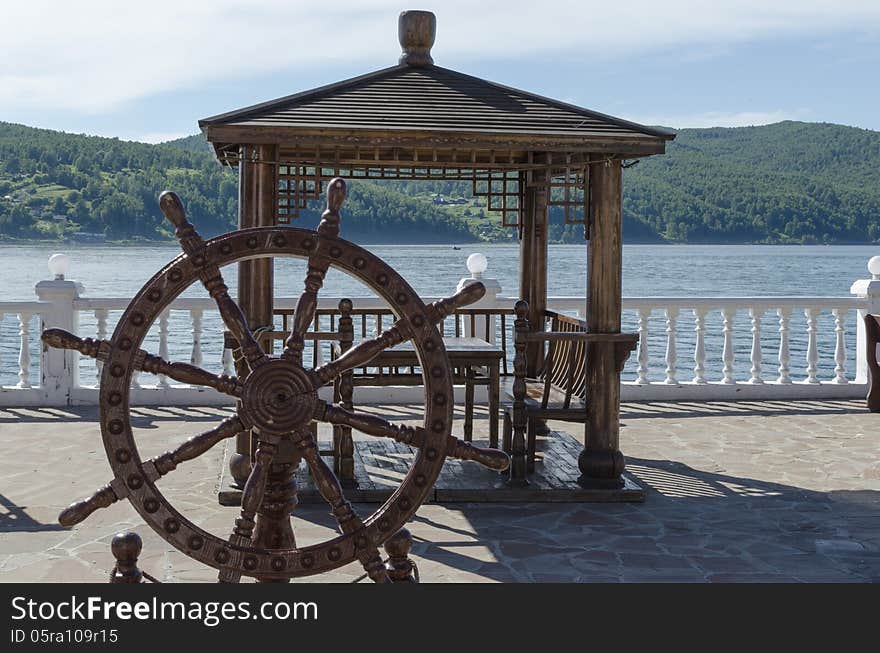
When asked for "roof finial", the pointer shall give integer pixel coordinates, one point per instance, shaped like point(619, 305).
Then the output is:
point(416, 31)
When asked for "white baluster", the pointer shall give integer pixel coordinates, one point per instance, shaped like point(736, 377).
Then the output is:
point(839, 346)
point(163, 345)
point(727, 314)
point(812, 353)
point(24, 355)
point(700, 346)
point(228, 368)
point(196, 357)
point(101, 319)
point(671, 356)
point(642, 371)
point(784, 354)
point(2, 315)
point(756, 314)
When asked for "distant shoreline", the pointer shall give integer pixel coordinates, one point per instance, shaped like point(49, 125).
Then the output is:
point(7, 241)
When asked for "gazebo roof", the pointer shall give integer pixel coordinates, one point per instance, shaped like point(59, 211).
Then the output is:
point(418, 103)
point(431, 99)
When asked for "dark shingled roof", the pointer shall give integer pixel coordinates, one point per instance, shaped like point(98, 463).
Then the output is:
point(432, 99)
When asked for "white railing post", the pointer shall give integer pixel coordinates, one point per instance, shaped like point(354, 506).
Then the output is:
point(163, 345)
point(59, 369)
point(784, 314)
point(24, 354)
point(644, 314)
point(228, 367)
point(477, 264)
point(812, 351)
point(868, 290)
point(727, 314)
point(196, 356)
point(101, 333)
point(839, 345)
point(700, 346)
point(756, 314)
point(671, 355)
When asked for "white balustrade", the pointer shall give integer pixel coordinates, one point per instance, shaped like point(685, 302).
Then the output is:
point(196, 356)
point(715, 370)
point(784, 358)
point(163, 345)
point(700, 346)
point(812, 353)
point(101, 315)
point(227, 360)
point(671, 357)
point(756, 314)
point(24, 354)
point(727, 314)
point(644, 314)
point(839, 346)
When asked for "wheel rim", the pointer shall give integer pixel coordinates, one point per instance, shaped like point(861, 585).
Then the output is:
point(128, 467)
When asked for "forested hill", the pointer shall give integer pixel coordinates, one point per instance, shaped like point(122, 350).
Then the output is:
point(53, 183)
point(787, 182)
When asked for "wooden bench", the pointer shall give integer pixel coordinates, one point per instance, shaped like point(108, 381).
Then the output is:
point(872, 339)
point(559, 391)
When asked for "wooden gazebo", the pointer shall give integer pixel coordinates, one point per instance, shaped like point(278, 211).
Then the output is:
point(416, 120)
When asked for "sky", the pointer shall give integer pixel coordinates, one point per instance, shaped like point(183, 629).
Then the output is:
point(149, 71)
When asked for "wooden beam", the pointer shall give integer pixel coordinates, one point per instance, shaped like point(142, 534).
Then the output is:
point(601, 462)
point(533, 261)
point(256, 208)
point(326, 138)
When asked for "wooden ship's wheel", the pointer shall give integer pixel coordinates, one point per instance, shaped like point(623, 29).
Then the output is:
point(277, 400)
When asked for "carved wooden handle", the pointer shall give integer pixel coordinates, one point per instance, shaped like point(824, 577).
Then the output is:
point(61, 339)
point(144, 362)
point(362, 354)
point(471, 293)
point(78, 511)
point(491, 458)
point(172, 208)
point(190, 374)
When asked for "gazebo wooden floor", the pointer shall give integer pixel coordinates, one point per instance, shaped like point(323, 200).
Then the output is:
point(381, 464)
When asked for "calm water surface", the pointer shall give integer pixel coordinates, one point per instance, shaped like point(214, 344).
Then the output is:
point(648, 270)
point(659, 270)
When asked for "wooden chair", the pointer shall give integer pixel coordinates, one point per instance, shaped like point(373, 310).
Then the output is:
point(872, 339)
point(559, 391)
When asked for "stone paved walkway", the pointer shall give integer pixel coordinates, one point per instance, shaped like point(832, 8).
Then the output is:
point(747, 491)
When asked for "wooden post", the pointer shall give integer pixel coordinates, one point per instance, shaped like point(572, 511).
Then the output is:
point(256, 208)
point(601, 462)
point(126, 547)
point(533, 260)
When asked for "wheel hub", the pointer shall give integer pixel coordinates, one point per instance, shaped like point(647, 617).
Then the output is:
point(277, 398)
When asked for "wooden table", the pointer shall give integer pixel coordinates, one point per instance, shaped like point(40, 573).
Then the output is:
point(467, 358)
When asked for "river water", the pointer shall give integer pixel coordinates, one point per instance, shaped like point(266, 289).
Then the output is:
point(648, 270)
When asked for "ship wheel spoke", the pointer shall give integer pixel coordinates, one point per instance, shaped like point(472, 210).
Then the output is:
point(153, 469)
point(251, 498)
point(361, 354)
point(397, 333)
point(413, 436)
point(145, 362)
point(209, 274)
point(329, 487)
point(318, 264)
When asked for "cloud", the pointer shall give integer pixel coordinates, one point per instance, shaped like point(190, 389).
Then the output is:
point(725, 118)
point(94, 56)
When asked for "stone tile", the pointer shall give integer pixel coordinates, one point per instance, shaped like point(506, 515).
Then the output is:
point(749, 492)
